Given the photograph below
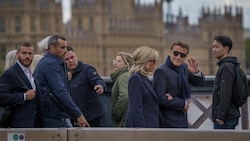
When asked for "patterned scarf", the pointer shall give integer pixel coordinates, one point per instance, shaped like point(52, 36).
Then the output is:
point(182, 79)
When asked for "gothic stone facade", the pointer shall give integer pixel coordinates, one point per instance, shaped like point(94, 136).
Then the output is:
point(99, 29)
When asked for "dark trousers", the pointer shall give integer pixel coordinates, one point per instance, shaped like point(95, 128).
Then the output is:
point(228, 124)
point(92, 123)
point(57, 123)
point(95, 122)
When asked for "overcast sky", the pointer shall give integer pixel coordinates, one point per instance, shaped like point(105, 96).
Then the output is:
point(191, 8)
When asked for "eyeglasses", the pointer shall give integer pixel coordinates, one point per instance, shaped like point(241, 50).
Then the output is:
point(116, 61)
point(113, 62)
point(176, 53)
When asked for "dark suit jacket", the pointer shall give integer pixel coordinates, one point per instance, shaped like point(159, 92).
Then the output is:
point(25, 114)
point(143, 106)
point(165, 81)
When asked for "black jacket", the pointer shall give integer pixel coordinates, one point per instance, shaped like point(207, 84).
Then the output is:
point(84, 78)
point(222, 106)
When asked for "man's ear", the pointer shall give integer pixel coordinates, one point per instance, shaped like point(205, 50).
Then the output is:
point(52, 48)
point(169, 52)
point(227, 48)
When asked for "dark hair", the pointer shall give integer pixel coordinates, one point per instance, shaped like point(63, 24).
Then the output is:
point(53, 40)
point(225, 41)
point(69, 48)
point(25, 44)
point(181, 44)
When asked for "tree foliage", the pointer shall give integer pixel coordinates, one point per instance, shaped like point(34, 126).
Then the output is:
point(248, 53)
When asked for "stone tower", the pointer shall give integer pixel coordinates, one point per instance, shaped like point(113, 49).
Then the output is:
point(199, 37)
point(213, 23)
point(99, 29)
point(28, 20)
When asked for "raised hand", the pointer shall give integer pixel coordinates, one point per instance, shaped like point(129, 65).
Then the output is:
point(193, 65)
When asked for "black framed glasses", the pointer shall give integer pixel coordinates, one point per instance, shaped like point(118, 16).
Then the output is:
point(176, 53)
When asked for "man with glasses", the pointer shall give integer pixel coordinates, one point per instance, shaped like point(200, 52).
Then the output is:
point(171, 84)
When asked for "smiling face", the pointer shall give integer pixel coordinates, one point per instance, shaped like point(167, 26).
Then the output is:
point(178, 55)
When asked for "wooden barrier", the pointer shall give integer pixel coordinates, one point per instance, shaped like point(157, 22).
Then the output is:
point(142, 134)
point(33, 134)
point(122, 134)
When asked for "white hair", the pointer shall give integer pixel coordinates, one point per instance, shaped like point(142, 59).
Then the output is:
point(43, 44)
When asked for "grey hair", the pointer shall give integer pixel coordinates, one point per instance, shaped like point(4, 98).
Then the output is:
point(43, 44)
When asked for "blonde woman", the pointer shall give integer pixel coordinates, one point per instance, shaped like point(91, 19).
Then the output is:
point(119, 93)
point(143, 105)
point(36, 59)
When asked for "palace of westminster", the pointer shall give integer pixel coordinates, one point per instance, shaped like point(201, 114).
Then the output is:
point(98, 29)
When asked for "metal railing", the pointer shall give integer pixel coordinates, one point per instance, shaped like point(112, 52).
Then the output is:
point(198, 92)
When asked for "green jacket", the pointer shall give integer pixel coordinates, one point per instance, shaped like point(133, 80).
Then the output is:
point(119, 95)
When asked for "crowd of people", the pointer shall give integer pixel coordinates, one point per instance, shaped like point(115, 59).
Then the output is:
point(55, 89)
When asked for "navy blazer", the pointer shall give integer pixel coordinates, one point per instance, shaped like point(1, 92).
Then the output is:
point(84, 78)
point(165, 81)
point(26, 113)
point(143, 106)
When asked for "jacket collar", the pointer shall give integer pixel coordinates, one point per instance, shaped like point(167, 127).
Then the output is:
point(149, 86)
point(79, 67)
point(50, 55)
point(231, 59)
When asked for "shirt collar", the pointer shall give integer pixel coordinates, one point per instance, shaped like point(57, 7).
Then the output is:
point(22, 67)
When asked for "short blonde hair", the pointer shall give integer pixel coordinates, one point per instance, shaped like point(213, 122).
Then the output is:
point(127, 58)
point(142, 56)
point(10, 59)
